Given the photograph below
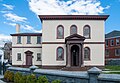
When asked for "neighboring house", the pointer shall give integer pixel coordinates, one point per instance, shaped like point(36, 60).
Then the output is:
point(112, 48)
point(26, 49)
point(67, 41)
point(8, 51)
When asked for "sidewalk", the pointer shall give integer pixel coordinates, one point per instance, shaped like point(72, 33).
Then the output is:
point(1, 76)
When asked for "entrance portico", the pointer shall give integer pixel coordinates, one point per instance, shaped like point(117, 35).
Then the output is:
point(74, 50)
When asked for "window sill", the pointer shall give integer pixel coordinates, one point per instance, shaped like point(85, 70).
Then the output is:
point(87, 60)
point(28, 43)
point(87, 38)
point(19, 43)
point(38, 60)
point(19, 60)
point(60, 59)
point(38, 43)
point(60, 38)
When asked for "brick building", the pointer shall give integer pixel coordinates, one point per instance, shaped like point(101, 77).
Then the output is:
point(112, 48)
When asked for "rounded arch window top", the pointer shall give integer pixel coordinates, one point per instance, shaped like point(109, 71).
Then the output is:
point(86, 31)
point(73, 29)
point(60, 32)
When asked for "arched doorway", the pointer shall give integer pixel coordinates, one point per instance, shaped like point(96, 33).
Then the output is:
point(75, 55)
point(74, 48)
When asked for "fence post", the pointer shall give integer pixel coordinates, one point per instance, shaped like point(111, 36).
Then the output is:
point(32, 68)
point(93, 74)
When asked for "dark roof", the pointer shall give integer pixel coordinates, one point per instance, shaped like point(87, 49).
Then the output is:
point(114, 33)
point(27, 34)
point(73, 17)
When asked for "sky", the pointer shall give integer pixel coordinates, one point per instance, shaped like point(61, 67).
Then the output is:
point(25, 13)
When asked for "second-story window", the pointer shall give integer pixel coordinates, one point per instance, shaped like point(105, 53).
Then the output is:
point(60, 32)
point(86, 31)
point(106, 43)
point(38, 39)
point(117, 41)
point(73, 30)
point(28, 39)
point(111, 42)
point(18, 39)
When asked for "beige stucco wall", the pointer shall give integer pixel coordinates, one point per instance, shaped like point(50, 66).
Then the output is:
point(23, 56)
point(50, 27)
point(96, 55)
point(49, 56)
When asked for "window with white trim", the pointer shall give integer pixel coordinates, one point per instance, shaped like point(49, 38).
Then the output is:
point(18, 39)
point(38, 56)
point(112, 42)
point(28, 39)
point(18, 56)
point(117, 52)
point(117, 41)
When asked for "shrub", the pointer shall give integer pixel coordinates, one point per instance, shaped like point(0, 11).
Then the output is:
point(9, 76)
point(31, 78)
point(17, 77)
point(42, 79)
point(6, 75)
point(56, 81)
point(23, 79)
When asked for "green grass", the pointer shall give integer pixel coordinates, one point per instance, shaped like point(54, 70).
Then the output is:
point(113, 68)
point(113, 73)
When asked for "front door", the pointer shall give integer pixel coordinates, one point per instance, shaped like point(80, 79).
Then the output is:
point(75, 55)
point(28, 58)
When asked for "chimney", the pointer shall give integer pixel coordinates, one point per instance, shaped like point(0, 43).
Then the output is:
point(17, 28)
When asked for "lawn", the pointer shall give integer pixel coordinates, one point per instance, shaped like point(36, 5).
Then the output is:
point(113, 68)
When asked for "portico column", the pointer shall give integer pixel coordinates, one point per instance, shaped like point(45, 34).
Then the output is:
point(68, 56)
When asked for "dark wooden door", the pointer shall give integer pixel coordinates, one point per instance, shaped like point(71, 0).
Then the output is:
point(28, 59)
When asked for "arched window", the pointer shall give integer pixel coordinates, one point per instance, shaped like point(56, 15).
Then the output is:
point(60, 32)
point(73, 29)
point(86, 31)
point(60, 53)
point(86, 53)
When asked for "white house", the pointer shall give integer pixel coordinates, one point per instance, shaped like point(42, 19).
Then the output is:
point(67, 41)
point(26, 48)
